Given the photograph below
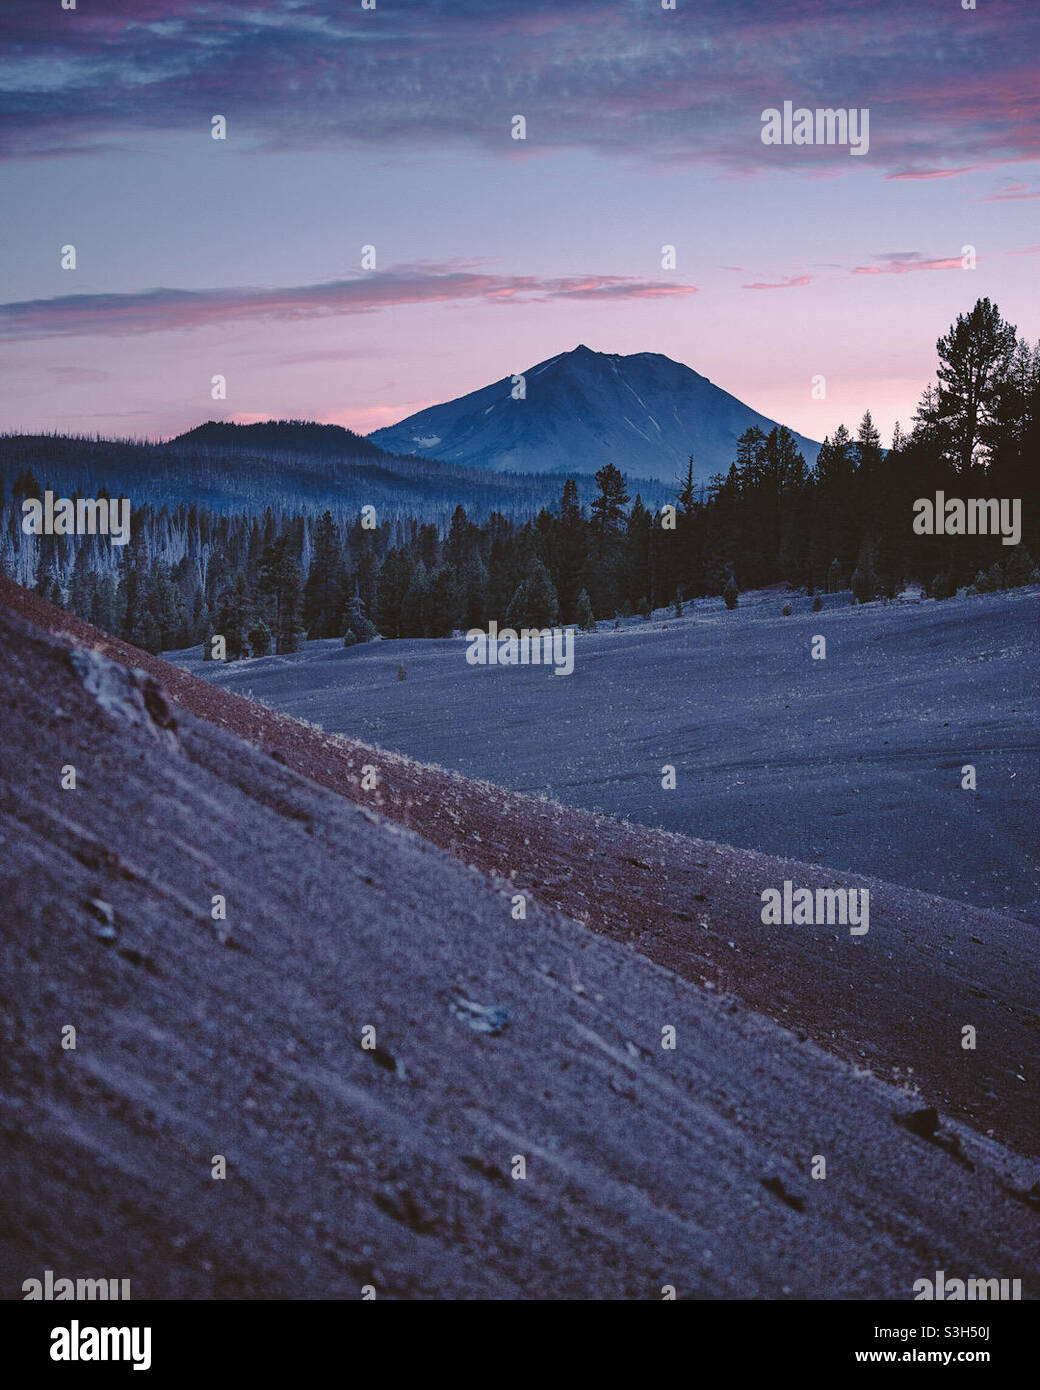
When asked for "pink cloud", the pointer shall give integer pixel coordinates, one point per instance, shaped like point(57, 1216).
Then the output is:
point(931, 173)
point(903, 267)
point(150, 311)
point(789, 283)
point(1006, 197)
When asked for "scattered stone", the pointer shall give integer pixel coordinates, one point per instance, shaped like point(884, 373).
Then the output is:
point(923, 1123)
point(385, 1059)
point(130, 695)
point(137, 958)
point(776, 1187)
point(491, 1171)
point(105, 915)
point(402, 1206)
point(490, 1018)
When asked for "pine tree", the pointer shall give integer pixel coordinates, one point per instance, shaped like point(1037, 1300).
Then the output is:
point(323, 591)
point(259, 638)
point(443, 603)
point(414, 604)
point(104, 604)
point(974, 357)
point(638, 556)
point(608, 507)
point(535, 604)
point(686, 493)
point(474, 593)
point(571, 551)
point(869, 453)
point(458, 547)
point(82, 583)
point(864, 581)
point(233, 617)
point(280, 581)
point(395, 577)
point(357, 621)
point(1018, 569)
point(583, 613)
point(941, 586)
point(602, 572)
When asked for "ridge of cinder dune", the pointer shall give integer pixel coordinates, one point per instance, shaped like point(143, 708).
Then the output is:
point(895, 1001)
point(395, 1167)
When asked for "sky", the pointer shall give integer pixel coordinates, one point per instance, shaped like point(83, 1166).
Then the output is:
point(393, 127)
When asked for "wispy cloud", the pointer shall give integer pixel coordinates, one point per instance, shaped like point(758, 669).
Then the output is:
point(931, 173)
point(895, 267)
point(790, 282)
point(155, 310)
point(903, 262)
point(623, 79)
point(1007, 197)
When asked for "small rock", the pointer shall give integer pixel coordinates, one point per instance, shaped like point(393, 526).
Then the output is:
point(923, 1123)
point(777, 1188)
point(490, 1018)
point(105, 915)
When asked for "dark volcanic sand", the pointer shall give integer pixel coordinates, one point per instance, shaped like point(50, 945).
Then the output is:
point(854, 761)
point(644, 1166)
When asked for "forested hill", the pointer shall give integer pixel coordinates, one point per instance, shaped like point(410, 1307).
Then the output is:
point(290, 467)
point(281, 436)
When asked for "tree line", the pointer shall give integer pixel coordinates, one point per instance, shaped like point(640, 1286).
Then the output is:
point(265, 583)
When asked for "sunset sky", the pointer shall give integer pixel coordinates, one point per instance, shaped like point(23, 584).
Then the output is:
point(391, 127)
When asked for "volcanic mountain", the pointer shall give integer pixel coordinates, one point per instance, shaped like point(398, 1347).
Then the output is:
point(582, 409)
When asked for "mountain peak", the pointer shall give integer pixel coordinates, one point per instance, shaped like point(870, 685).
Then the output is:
point(580, 409)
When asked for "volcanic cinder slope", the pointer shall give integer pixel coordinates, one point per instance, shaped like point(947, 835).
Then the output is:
point(854, 761)
point(393, 1167)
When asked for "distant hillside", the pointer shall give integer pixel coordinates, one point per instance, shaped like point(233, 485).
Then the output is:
point(280, 436)
point(290, 466)
point(582, 409)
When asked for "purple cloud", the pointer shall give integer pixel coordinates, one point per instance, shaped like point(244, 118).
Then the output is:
point(948, 90)
point(156, 310)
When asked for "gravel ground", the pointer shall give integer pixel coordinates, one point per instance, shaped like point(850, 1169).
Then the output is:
point(393, 1167)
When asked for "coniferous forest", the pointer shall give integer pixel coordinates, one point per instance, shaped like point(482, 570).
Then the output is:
point(267, 582)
